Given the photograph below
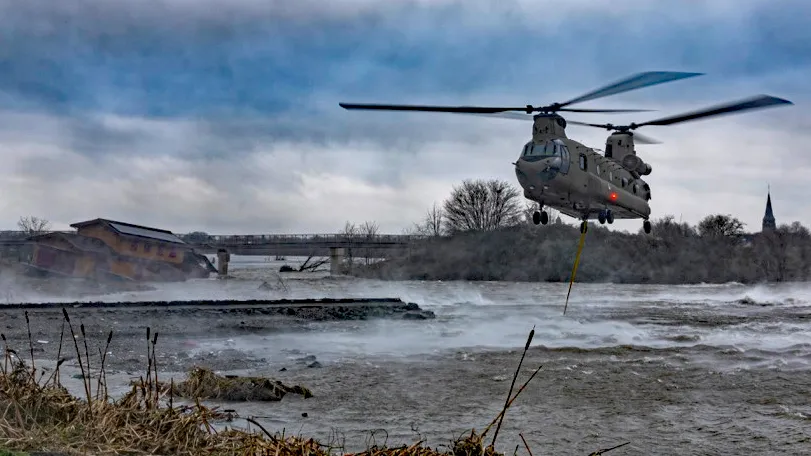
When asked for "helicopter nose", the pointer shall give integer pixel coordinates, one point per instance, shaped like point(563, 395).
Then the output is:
point(545, 169)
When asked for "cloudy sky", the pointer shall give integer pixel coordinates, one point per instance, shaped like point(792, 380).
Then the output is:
point(222, 115)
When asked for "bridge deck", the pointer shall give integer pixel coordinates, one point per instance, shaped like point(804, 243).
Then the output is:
point(273, 244)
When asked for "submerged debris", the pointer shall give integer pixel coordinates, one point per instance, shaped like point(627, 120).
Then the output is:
point(202, 383)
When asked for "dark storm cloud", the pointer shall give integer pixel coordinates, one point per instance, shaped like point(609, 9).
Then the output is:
point(209, 108)
point(244, 59)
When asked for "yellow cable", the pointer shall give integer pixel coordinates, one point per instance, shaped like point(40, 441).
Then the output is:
point(576, 262)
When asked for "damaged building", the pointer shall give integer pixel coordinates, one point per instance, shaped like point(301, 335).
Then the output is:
point(104, 249)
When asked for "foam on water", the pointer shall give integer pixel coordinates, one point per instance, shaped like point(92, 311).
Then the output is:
point(498, 315)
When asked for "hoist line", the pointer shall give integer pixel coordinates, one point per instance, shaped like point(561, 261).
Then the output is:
point(576, 261)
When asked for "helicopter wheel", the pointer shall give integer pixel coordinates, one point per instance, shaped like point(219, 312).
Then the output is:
point(536, 217)
point(609, 217)
point(601, 217)
point(646, 226)
point(544, 218)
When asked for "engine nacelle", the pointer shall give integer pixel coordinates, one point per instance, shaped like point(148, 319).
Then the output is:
point(635, 164)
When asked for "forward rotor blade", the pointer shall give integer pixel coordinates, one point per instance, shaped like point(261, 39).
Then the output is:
point(634, 82)
point(507, 115)
point(757, 102)
point(427, 108)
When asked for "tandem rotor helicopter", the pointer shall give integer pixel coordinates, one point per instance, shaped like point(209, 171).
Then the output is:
point(579, 181)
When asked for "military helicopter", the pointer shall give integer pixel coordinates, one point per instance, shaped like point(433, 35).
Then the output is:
point(579, 181)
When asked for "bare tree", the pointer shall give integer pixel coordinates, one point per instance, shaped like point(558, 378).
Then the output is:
point(720, 226)
point(478, 205)
point(368, 230)
point(350, 230)
point(668, 228)
point(33, 225)
point(350, 234)
point(432, 224)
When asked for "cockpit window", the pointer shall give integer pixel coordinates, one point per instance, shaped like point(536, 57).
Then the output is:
point(553, 148)
point(540, 150)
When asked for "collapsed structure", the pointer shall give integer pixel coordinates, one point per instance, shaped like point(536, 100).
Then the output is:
point(102, 249)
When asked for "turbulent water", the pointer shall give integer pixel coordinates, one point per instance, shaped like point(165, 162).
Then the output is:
point(705, 369)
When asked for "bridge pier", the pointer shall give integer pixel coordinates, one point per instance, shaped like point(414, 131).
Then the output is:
point(223, 257)
point(336, 258)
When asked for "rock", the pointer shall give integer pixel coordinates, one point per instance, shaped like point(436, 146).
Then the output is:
point(419, 315)
point(314, 364)
point(306, 359)
point(286, 268)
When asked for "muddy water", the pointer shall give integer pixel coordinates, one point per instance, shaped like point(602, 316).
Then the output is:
point(674, 370)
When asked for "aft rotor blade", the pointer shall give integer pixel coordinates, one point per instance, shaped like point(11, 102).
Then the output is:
point(634, 82)
point(586, 124)
point(638, 138)
point(644, 139)
point(757, 102)
point(428, 108)
point(603, 110)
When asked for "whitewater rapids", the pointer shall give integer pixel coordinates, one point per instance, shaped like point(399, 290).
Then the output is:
point(703, 369)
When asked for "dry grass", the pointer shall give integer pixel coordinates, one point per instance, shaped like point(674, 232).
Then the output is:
point(39, 414)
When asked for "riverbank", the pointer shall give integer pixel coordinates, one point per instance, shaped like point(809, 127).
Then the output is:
point(158, 416)
point(670, 255)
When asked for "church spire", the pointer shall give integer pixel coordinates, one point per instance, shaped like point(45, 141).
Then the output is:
point(768, 218)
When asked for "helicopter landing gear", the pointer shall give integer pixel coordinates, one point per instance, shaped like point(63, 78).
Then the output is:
point(540, 217)
point(646, 226)
point(605, 216)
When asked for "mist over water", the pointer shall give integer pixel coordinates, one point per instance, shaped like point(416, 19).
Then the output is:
point(771, 320)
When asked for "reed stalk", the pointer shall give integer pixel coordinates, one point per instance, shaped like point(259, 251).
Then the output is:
point(512, 385)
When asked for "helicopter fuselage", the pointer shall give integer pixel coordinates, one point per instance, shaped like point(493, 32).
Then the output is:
point(577, 180)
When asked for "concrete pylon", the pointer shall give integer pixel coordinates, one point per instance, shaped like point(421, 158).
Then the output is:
point(336, 258)
point(223, 257)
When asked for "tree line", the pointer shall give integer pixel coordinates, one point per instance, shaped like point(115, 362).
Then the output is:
point(484, 231)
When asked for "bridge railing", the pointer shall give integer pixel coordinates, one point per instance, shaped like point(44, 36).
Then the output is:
point(303, 238)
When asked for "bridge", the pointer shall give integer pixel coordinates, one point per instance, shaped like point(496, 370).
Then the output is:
point(358, 245)
point(378, 245)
